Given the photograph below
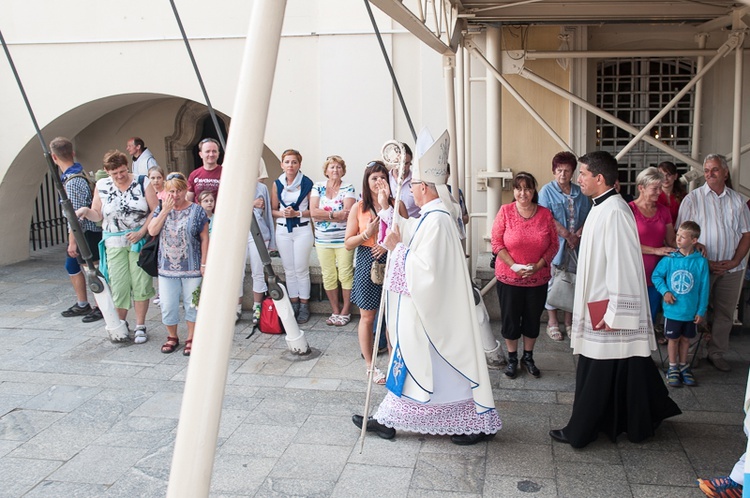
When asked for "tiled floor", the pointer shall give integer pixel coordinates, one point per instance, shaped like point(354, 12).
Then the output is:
point(80, 416)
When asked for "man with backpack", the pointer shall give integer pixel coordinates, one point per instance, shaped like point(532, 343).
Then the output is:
point(79, 188)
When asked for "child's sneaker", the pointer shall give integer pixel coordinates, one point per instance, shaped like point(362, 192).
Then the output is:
point(256, 314)
point(687, 377)
point(673, 377)
point(720, 487)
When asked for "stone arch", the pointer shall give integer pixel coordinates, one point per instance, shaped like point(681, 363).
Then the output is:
point(179, 145)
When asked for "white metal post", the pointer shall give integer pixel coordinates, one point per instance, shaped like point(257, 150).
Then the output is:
point(737, 118)
point(698, 104)
point(468, 186)
point(494, 128)
point(449, 75)
point(192, 462)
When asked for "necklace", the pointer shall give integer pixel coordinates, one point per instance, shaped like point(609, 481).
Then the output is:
point(533, 212)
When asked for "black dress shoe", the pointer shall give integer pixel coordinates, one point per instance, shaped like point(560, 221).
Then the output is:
point(559, 435)
point(469, 439)
point(375, 426)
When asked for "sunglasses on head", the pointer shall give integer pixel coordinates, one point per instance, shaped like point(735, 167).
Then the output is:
point(172, 176)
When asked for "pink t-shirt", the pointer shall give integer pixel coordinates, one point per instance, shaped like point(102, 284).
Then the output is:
point(527, 241)
point(200, 180)
point(651, 231)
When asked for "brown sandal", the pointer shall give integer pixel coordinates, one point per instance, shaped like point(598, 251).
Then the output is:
point(170, 345)
point(188, 347)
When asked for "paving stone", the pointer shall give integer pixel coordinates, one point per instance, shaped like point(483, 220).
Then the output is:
point(98, 464)
point(445, 472)
point(658, 467)
point(522, 459)
point(290, 486)
point(372, 480)
point(46, 489)
point(141, 482)
point(311, 461)
point(161, 404)
point(519, 486)
point(240, 474)
point(590, 479)
point(22, 425)
point(19, 475)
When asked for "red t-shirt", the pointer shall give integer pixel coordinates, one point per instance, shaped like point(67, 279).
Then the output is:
point(672, 203)
point(201, 179)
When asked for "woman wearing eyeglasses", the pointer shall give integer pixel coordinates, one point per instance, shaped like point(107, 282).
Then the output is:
point(182, 227)
point(123, 204)
point(330, 203)
point(290, 205)
point(361, 234)
point(524, 238)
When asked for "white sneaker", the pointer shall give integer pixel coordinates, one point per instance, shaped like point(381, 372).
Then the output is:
point(140, 335)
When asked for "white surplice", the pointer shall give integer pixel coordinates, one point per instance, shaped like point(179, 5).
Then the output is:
point(610, 266)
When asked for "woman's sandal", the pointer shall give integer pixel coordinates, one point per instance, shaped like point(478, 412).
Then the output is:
point(378, 377)
point(188, 347)
point(170, 345)
point(553, 331)
point(333, 319)
point(343, 320)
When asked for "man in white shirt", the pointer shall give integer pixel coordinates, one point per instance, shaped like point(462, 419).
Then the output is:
point(724, 219)
point(143, 160)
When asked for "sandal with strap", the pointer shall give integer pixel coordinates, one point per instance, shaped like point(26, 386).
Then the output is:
point(188, 347)
point(170, 345)
point(333, 319)
point(343, 320)
point(378, 377)
point(553, 331)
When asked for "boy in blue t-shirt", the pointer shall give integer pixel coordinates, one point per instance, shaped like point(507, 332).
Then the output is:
point(683, 279)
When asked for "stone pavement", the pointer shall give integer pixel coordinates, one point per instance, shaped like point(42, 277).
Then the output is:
point(80, 416)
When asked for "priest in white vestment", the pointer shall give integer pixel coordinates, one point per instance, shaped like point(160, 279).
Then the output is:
point(618, 386)
point(438, 381)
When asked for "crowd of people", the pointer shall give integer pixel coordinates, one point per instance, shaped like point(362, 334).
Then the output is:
point(664, 260)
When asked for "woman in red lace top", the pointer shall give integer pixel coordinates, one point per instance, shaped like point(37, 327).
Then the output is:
point(525, 241)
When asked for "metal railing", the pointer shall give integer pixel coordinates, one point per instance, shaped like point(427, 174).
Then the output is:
point(48, 225)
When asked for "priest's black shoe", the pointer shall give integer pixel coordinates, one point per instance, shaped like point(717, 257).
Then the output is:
point(469, 439)
point(559, 435)
point(375, 426)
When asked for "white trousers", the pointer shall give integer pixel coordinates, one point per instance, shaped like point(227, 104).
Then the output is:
point(256, 268)
point(295, 248)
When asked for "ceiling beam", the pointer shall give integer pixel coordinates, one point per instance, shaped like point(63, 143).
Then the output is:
point(395, 10)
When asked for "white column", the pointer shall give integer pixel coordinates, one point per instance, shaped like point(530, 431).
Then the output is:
point(494, 128)
point(192, 462)
point(449, 76)
point(737, 118)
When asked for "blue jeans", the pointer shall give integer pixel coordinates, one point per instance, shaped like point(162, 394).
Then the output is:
point(171, 290)
point(654, 302)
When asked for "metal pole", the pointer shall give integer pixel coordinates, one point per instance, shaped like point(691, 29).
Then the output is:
point(116, 328)
point(721, 52)
point(193, 457)
point(539, 119)
point(608, 117)
point(494, 129)
point(390, 70)
point(737, 118)
point(449, 75)
point(200, 79)
point(468, 185)
point(698, 107)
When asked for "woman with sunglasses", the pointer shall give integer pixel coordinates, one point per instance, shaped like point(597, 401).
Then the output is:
point(182, 228)
point(290, 206)
point(331, 201)
point(361, 234)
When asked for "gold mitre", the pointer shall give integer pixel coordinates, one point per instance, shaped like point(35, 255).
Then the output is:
point(431, 165)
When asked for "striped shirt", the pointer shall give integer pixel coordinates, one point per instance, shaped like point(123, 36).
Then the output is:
point(722, 218)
